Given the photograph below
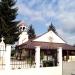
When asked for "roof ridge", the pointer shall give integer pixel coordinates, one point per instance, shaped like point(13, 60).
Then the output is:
point(49, 31)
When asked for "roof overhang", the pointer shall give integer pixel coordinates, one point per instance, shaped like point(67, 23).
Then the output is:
point(45, 45)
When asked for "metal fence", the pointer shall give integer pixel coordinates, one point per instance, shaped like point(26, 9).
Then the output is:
point(17, 64)
point(21, 59)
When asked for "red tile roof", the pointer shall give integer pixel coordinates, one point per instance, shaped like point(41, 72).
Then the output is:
point(46, 45)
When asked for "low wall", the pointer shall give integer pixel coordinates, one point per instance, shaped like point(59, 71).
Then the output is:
point(71, 58)
point(34, 71)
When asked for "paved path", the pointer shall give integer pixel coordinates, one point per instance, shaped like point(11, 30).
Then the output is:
point(69, 68)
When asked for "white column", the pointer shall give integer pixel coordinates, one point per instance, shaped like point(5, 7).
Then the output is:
point(60, 59)
point(7, 57)
point(37, 56)
point(60, 56)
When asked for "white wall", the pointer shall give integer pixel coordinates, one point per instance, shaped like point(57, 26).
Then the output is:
point(39, 71)
point(23, 38)
point(34, 71)
point(50, 37)
point(71, 58)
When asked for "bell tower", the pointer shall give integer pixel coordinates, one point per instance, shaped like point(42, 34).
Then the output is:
point(23, 37)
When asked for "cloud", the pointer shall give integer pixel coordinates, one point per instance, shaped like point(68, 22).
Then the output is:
point(61, 12)
point(66, 36)
point(26, 11)
point(66, 14)
point(42, 11)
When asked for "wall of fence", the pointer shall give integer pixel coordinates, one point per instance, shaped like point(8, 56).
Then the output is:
point(7, 64)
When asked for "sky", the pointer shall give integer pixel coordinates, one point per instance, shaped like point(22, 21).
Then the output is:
point(41, 13)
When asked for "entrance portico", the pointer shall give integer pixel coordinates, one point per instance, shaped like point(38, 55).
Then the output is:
point(37, 56)
point(41, 54)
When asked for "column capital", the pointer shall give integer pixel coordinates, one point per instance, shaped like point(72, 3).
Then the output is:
point(59, 47)
point(37, 46)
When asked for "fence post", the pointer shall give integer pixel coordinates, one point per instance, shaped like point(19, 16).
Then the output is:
point(2, 47)
point(7, 57)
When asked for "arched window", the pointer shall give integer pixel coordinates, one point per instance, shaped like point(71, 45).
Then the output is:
point(20, 28)
point(23, 28)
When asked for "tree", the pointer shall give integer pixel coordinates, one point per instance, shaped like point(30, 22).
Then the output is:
point(51, 27)
point(31, 32)
point(8, 25)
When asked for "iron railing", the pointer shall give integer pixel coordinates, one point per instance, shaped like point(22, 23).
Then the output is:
point(22, 59)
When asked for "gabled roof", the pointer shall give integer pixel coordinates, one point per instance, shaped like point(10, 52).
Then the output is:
point(45, 45)
point(47, 32)
point(31, 44)
point(54, 33)
point(20, 23)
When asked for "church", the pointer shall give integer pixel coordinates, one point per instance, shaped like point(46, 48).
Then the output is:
point(47, 45)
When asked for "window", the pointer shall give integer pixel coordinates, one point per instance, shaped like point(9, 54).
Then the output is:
point(20, 28)
point(23, 28)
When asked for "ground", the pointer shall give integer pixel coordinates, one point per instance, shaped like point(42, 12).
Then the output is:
point(69, 68)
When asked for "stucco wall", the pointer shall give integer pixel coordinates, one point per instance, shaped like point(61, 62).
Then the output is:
point(50, 37)
point(71, 58)
point(39, 71)
point(23, 38)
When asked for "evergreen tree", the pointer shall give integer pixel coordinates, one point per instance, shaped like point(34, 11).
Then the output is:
point(31, 32)
point(51, 27)
point(8, 25)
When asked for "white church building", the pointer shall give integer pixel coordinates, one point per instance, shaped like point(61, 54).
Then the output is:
point(45, 52)
point(42, 55)
point(47, 42)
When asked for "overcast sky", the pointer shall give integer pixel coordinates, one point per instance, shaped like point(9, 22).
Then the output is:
point(40, 13)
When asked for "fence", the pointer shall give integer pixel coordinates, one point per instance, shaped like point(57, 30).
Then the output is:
point(2, 53)
point(2, 63)
point(22, 59)
point(18, 61)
